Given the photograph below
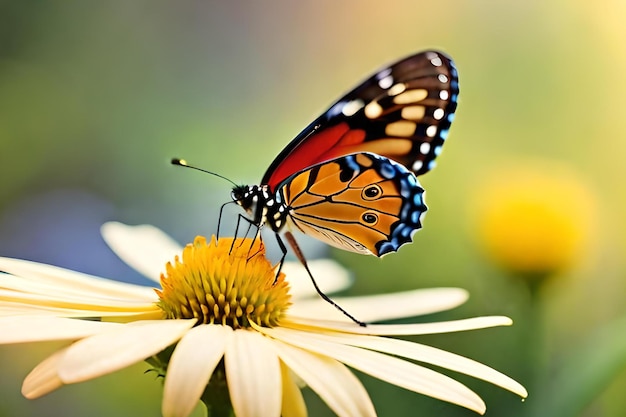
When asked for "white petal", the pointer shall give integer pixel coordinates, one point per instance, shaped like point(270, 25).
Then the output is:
point(383, 306)
point(253, 375)
point(47, 279)
point(401, 329)
point(426, 354)
point(130, 343)
point(191, 365)
point(92, 304)
point(387, 368)
point(147, 312)
point(144, 247)
point(331, 380)
point(21, 329)
point(44, 378)
point(293, 402)
point(444, 359)
point(329, 275)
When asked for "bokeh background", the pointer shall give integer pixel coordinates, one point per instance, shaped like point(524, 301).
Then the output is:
point(526, 204)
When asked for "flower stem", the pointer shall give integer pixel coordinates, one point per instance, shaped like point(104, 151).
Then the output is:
point(216, 396)
point(536, 344)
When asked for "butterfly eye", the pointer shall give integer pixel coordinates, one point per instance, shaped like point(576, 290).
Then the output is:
point(370, 218)
point(372, 192)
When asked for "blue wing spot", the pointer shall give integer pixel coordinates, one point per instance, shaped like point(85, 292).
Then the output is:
point(336, 109)
point(352, 164)
point(443, 134)
point(408, 185)
point(387, 170)
point(405, 191)
point(411, 212)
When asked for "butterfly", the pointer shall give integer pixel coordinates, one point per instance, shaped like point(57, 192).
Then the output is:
point(349, 178)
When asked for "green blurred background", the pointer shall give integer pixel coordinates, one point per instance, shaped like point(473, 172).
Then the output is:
point(96, 97)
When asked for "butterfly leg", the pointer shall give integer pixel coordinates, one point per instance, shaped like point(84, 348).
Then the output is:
point(251, 224)
point(256, 236)
point(296, 249)
point(232, 245)
point(219, 219)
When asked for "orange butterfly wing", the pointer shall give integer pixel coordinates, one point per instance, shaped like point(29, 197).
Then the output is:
point(362, 203)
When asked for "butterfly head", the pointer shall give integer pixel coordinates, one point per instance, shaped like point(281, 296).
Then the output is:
point(253, 199)
point(244, 196)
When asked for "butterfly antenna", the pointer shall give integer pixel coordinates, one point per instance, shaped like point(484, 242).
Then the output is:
point(184, 164)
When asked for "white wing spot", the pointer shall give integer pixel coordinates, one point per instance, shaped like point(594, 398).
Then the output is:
point(417, 165)
point(436, 62)
point(401, 128)
point(384, 73)
point(386, 82)
point(443, 78)
point(373, 110)
point(411, 96)
point(351, 107)
point(413, 112)
point(444, 95)
point(424, 148)
point(396, 89)
point(431, 131)
point(438, 114)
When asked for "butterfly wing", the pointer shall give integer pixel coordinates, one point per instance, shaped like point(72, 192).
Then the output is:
point(402, 112)
point(362, 203)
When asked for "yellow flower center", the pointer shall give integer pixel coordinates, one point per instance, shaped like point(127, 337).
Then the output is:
point(225, 282)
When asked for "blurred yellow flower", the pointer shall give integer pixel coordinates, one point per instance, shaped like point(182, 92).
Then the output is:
point(223, 314)
point(534, 219)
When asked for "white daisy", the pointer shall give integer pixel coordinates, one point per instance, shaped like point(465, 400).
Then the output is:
point(222, 318)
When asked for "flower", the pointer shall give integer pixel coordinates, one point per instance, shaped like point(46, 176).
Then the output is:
point(221, 311)
point(534, 219)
